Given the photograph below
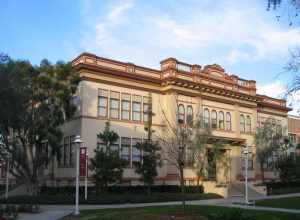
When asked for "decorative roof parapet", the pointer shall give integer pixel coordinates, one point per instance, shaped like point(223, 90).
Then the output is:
point(212, 78)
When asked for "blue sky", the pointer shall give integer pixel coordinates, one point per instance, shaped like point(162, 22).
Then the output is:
point(241, 36)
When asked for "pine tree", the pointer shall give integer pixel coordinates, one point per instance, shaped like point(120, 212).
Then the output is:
point(106, 164)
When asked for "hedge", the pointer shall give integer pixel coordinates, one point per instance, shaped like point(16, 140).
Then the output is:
point(138, 189)
point(274, 188)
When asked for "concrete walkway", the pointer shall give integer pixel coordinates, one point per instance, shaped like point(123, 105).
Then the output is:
point(54, 212)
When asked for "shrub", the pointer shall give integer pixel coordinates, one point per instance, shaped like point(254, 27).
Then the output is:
point(283, 187)
point(138, 189)
point(107, 198)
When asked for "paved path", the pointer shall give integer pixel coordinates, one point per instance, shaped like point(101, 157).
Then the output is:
point(54, 212)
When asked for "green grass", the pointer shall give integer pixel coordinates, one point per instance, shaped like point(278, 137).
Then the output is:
point(193, 212)
point(287, 203)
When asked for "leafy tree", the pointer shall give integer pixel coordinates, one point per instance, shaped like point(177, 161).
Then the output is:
point(289, 168)
point(268, 139)
point(151, 156)
point(106, 164)
point(35, 102)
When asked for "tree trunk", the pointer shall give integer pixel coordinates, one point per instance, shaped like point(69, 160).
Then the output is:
point(182, 186)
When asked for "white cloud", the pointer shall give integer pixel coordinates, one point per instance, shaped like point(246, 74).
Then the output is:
point(234, 32)
point(116, 13)
point(274, 89)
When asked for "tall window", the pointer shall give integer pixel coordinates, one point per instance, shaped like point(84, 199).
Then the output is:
point(242, 123)
point(136, 153)
point(214, 120)
point(136, 108)
point(72, 150)
point(102, 102)
point(228, 121)
point(146, 109)
point(221, 120)
point(206, 118)
point(114, 105)
point(181, 113)
point(248, 124)
point(125, 106)
point(189, 115)
point(125, 149)
point(65, 152)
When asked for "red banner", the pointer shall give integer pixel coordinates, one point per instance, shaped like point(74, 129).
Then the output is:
point(82, 161)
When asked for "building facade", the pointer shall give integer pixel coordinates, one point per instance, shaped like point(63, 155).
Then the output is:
point(120, 93)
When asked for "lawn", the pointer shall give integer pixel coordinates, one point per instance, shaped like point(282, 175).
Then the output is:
point(287, 203)
point(193, 212)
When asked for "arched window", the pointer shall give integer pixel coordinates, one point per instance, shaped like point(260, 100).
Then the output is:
point(189, 115)
point(181, 114)
point(221, 120)
point(248, 124)
point(242, 123)
point(206, 118)
point(214, 122)
point(228, 121)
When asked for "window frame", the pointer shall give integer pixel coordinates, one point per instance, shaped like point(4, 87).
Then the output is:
point(123, 100)
point(248, 124)
point(242, 123)
point(100, 96)
point(181, 115)
point(189, 114)
point(228, 121)
point(206, 118)
point(221, 120)
point(214, 119)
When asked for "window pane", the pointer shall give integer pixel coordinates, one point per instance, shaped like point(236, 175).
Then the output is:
point(136, 116)
point(114, 108)
point(125, 149)
point(136, 111)
point(214, 119)
point(146, 113)
point(102, 106)
point(125, 110)
point(136, 106)
point(102, 102)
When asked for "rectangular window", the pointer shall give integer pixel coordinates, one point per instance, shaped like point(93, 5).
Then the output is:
point(102, 102)
point(114, 105)
point(125, 108)
point(136, 153)
point(72, 150)
point(65, 151)
point(146, 108)
point(136, 108)
point(125, 149)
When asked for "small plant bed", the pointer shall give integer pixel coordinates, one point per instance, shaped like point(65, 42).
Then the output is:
point(109, 198)
point(286, 203)
point(192, 212)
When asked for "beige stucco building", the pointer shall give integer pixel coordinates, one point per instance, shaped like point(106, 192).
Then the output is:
point(120, 92)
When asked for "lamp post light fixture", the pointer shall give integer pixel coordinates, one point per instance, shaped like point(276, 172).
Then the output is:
point(77, 142)
point(246, 152)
